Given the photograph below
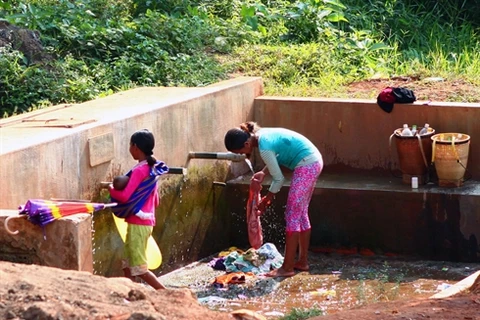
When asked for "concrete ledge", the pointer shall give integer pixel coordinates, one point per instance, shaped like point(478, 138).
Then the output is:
point(375, 212)
point(68, 243)
point(367, 181)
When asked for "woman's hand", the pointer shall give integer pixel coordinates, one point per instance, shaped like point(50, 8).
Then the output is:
point(256, 181)
point(259, 176)
point(264, 203)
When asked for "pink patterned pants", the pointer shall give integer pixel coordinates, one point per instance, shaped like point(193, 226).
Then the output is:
point(299, 196)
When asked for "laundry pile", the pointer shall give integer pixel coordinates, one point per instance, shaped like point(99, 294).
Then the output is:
point(240, 265)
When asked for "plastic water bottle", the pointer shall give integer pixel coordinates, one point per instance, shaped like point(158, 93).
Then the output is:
point(424, 129)
point(414, 182)
point(414, 129)
point(406, 132)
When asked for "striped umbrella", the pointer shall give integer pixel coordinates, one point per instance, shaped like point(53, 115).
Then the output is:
point(42, 212)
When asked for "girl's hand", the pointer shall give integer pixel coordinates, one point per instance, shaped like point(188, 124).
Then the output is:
point(106, 185)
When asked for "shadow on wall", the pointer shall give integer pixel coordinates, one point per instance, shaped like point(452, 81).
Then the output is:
point(443, 218)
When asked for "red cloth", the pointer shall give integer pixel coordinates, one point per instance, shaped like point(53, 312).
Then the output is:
point(255, 235)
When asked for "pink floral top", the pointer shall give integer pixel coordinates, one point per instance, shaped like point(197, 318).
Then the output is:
point(139, 173)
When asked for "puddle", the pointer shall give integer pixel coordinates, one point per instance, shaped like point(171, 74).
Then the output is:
point(335, 282)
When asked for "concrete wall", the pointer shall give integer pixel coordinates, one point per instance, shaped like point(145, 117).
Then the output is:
point(361, 211)
point(354, 134)
point(359, 201)
point(62, 244)
point(64, 152)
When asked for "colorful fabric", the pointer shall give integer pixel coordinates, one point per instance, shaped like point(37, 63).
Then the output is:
point(299, 196)
point(254, 226)
point(135, 256)
point(224, 280)
point(217, 263)
point(137, 200)
point(41, 212)
point(267, 253)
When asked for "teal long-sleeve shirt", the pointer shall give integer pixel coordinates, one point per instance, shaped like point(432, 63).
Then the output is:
point(284, 147)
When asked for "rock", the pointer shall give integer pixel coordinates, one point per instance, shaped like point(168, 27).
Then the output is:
point(24, 40)
point(38, 292)
point(245, 314)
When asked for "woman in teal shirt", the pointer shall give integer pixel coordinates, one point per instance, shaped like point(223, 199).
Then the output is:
point(283, 147)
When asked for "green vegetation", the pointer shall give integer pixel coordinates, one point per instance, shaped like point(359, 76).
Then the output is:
point(300, 314)
point(299, 47)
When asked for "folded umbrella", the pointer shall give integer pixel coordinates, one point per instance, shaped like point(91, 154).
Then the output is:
point(42, 212)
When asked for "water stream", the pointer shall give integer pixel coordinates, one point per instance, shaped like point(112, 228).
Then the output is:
point(249, 164)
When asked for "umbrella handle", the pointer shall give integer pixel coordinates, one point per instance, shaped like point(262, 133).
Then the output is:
point(5, 224)
point(112, 204)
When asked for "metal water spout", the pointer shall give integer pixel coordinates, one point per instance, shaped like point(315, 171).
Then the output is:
point(218, 155)
point(171, 170)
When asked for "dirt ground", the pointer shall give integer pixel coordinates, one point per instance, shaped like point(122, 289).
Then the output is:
point(42, 293)
point(426, 90)
point(463, 307)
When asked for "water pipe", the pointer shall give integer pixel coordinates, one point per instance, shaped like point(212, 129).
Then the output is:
point(177, 170)
point(218, 155)
point(171, 170)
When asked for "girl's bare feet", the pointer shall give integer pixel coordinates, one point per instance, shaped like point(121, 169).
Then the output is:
point(301, 266)
point(280, 273)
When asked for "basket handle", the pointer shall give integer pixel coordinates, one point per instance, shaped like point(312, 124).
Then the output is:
point(455, 150)
point(390, 143)
point(390, 150)
point(421, 150)
point(433, 151)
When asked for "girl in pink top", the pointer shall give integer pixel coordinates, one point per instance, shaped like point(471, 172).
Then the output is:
point(140, 224)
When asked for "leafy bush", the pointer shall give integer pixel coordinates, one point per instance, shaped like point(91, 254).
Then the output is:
point(99, 52)
point(22, 87)
point(307, 20)
point(299, 47)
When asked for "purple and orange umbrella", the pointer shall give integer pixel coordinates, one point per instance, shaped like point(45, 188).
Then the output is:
point(42, 212)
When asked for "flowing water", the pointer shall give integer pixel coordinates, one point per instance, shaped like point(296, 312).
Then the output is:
point(335, 282)
point(249, 164)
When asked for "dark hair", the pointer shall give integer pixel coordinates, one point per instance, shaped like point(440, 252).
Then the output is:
point(235, 138)
point(145, 141)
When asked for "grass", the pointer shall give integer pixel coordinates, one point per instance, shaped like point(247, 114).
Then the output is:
point(306, 48)
point(300, 314)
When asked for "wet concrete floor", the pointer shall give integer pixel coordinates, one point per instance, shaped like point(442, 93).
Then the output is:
point(335, 282)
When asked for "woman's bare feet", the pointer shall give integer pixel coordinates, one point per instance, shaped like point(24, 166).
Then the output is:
point(301, 266)
point(280, 273)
